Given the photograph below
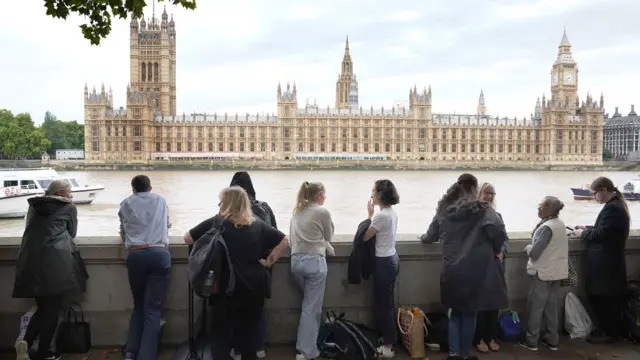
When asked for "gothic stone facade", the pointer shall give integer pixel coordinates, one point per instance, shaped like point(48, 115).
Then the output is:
point(622, 135)
point(561, 131)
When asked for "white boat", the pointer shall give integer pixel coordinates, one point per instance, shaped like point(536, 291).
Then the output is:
point(13, 201)
point(40, 178)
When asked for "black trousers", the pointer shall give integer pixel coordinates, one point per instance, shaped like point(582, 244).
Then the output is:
point(44, 323)
point(607, 311)
point(486, 326)
point(236, 317)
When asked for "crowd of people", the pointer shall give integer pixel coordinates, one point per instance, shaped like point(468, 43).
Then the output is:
point(473, 287)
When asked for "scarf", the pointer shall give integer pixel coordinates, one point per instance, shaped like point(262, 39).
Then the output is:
point(542, 221)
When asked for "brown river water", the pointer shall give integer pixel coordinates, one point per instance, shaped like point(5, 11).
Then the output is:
point(193, 196)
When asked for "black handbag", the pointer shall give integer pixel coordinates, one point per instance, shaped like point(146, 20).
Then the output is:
point(74, 337)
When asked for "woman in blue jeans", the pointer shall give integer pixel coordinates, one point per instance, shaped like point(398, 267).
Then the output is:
point(472, 279)
point(383, 226)
point(310, 234)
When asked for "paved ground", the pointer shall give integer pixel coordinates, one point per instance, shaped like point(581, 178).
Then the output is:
point(568, 350)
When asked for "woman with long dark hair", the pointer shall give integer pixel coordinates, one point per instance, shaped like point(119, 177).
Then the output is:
point(383, 226)
point(472, 279)
point(606, 268)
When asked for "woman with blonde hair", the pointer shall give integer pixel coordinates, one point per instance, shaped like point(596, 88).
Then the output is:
point(606, 267)
point(311, 232)
point(487, 321)
point(47, 269)
point(246, 241)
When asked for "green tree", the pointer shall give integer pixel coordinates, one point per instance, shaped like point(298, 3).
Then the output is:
point(99, 13)
point(19, 138)
point(607, 154)
point(63, 134)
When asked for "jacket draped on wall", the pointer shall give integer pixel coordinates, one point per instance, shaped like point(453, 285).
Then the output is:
point(363, 255)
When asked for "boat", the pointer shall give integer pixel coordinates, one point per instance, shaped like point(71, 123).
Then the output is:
point(13, 201)
point(39, 179)
point(628, 191)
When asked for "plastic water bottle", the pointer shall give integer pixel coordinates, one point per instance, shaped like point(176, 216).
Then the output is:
point(208, 284)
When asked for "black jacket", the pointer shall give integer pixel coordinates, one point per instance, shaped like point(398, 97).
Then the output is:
point(363, 255)
point(472, 278)
point(46, 262)
point(243, 180)
point(606, 268)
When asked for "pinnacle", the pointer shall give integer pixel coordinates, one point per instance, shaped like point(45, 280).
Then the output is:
point(565, 39)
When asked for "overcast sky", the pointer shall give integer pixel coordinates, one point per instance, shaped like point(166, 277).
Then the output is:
point(231, 54)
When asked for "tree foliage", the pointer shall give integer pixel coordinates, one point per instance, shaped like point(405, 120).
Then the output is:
point(19, 137)
point(607, 154)
point(99, 13)
point(63, 134)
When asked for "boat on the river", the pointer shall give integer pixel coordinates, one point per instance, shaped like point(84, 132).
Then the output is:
point(13, 201)
point(38, 179)
point(628, 190)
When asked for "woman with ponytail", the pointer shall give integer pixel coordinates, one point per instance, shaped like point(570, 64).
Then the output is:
point(310, 234)
point(606, 269)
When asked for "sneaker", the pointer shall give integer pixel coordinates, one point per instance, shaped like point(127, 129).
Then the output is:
point(261, 354)
point(235, 356)
point(386, 352)
point(527, 346)
point(56, 357)
point(22, 350)
point(129, 356)
point(300, 357)
point(549, 345)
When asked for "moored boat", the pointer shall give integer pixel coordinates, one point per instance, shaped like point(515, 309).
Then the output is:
point(628, 191)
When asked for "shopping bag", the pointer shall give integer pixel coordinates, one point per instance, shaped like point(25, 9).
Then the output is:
point(74, 333)
point(411, 326)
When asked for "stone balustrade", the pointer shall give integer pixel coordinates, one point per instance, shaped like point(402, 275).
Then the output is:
point(108, 303)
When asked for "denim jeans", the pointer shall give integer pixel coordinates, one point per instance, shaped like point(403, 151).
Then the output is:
point(149, 271)
point(462, 326)
point(384, 283)
point(310, 275)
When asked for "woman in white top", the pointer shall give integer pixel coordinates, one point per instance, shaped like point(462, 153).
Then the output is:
point(311, 232)
point(383, 227)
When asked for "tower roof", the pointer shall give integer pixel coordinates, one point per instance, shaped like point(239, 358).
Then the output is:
point(565, 39)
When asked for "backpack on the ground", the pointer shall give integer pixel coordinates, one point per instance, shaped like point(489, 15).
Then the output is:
point(631, 312)
point(576, 319)
point(209, 266)
point(342, 339)
point(260, 211)
point(509, 323)
point(436, 335)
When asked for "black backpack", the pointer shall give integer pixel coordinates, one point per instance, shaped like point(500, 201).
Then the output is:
point(260, 211)
point(210, 253)
point(342, 339)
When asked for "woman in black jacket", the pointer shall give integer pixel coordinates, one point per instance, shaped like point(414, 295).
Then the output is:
point(47, 269)
point(472, 278)
point(606, 268)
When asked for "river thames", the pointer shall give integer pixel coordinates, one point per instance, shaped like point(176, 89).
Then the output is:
point(193, 196)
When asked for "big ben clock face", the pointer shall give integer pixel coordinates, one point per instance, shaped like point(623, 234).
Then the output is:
point(554, 79)
point(568, 77)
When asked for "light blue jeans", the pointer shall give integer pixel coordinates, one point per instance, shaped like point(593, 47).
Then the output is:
point(310, 275)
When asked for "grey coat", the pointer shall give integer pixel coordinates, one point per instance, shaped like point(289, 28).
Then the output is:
point(472, 277)
point(46, 264)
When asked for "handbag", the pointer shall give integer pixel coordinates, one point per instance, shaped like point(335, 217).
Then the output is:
point(411, 326)
point(572, 279)
point(74, 335)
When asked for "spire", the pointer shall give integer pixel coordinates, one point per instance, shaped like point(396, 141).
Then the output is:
point(481, 100)
point(565, 39)
point(346, 46)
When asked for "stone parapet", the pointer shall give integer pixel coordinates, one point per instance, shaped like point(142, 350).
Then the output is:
point(108, 303)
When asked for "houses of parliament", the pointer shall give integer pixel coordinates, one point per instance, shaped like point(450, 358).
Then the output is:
point(561, 130)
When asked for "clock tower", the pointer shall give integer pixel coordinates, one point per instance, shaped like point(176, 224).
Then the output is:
point(564, 77)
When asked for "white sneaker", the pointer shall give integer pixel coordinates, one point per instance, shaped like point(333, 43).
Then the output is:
point(386, 352)
point(261, 354)
point(22, 350)
point(235, 356)
point(300, 357)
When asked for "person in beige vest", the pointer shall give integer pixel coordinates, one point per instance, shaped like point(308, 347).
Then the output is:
point(548, 265)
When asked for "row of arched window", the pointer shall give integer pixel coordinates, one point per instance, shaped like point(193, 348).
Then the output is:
point(149, 72)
